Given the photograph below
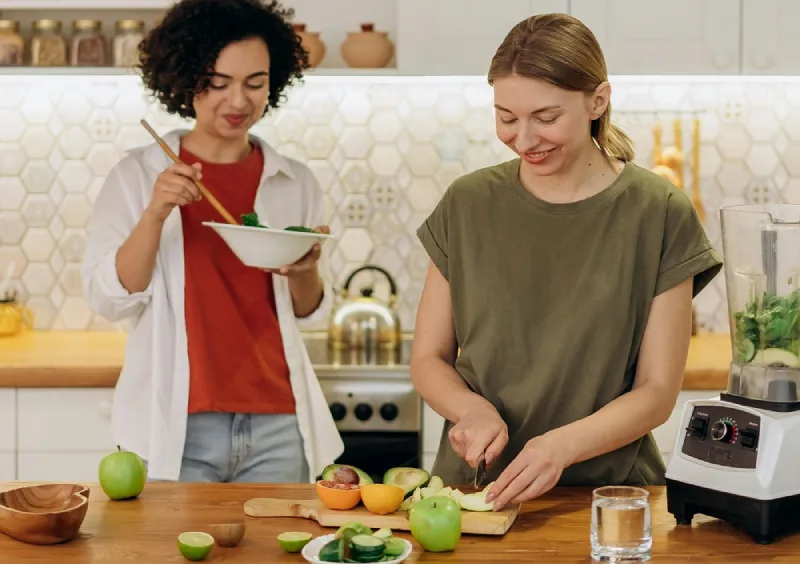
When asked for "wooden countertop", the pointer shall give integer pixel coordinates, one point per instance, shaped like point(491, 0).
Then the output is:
point(550, 530)
point(77, 359)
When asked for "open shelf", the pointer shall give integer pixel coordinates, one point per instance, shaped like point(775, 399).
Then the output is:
point(85, 4)
point(118, 71)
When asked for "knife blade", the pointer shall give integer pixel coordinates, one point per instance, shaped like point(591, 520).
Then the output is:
point(480, 472)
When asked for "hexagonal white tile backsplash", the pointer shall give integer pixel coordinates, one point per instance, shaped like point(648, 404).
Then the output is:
point(383, 150)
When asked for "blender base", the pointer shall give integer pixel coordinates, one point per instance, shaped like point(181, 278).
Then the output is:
point(764, 520)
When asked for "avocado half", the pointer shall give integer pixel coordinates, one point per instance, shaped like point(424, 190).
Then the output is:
point(330, 473)
point(407, 478)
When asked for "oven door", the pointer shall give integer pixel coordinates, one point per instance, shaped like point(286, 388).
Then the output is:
point(375, 452)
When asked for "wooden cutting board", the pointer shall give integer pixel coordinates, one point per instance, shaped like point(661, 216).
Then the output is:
point(472, 522)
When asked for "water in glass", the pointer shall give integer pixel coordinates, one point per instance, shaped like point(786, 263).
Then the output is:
point(621, 525)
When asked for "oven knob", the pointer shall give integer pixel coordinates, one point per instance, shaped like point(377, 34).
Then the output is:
point(363, 411)
point(722, 431)
point(338, 411)
point(389, 411)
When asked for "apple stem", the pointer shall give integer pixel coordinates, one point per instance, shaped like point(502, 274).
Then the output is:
point(119, 448)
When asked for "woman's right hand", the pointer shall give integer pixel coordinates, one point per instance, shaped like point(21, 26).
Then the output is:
point(480, 431)
point(174, 187)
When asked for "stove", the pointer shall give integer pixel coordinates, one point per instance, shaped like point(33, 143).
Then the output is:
point(376, 409)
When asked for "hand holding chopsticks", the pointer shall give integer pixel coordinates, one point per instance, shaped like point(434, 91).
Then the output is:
point(203, 190)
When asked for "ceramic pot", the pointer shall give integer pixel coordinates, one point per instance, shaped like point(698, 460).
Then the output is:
point(367, 48)
point(311, 43)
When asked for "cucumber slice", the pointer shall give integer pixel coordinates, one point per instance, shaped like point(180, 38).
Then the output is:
point(745, 350)
point(367, 548)
point(383, 533)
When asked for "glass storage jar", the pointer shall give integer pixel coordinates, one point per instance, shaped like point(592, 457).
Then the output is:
point(126, 42)
point(89, 47)
point(48, 46)
point(12, 46)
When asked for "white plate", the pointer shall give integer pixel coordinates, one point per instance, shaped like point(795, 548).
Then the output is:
point(261, 247)
point(311, 550)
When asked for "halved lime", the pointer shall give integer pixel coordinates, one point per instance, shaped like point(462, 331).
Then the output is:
point(195, 546)
point(293, 541)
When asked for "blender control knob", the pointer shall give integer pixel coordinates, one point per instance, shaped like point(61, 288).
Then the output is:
point(338, 411)
point(389, 411)
point(722, 431)
point(363, 411)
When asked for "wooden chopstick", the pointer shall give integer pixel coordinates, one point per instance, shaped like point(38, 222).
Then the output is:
point(203, 190)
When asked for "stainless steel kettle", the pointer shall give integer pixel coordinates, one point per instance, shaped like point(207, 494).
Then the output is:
point(365, 321)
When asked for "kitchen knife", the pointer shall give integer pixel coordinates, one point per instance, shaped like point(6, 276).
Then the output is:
point(480, 472)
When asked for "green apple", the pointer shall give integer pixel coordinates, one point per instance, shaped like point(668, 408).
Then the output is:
point(122, 475)
point(435, 523)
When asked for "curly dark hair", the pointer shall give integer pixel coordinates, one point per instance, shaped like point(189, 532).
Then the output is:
point(176, 56)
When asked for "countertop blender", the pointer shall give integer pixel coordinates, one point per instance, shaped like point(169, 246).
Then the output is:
point(737, 456)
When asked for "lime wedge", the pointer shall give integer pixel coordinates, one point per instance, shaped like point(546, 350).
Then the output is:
point(293, 541)
point(195, 546)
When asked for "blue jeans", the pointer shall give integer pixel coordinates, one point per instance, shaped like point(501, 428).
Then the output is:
point(228, 447)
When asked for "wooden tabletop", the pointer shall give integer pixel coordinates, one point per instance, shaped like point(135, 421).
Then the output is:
point(551, 530)
point(78, 359)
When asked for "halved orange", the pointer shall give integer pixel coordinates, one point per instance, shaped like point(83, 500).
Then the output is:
point(338, 496)
point(382, 498)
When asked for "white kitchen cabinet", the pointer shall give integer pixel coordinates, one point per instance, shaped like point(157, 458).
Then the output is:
point(8, 421)
point(73, 467)
point(676, 37)
point(65, 420)
point(63, 433)
point(458, 37)
point(8, 467)
point(770, 42)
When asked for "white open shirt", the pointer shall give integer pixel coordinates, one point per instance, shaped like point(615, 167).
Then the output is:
point(150, 405)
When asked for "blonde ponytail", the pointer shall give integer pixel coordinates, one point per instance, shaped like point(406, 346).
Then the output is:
point(612, 140)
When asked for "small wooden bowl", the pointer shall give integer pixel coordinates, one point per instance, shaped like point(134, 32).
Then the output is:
point(46, 514)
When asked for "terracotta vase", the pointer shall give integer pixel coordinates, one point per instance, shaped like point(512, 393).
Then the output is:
point(367, 48)
point(311, 43)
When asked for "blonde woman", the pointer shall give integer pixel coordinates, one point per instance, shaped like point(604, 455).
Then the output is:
point(565, 276)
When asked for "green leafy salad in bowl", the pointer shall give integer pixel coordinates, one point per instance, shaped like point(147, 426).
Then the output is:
point(251, 220)
point(767, 331)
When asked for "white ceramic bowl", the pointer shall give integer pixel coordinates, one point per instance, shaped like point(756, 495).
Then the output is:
point(261, 247)
point(311, 551)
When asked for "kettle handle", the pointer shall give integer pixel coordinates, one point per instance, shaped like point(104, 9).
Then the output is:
point(392, 284)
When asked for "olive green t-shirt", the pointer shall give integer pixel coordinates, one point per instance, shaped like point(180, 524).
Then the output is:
point(550, 302)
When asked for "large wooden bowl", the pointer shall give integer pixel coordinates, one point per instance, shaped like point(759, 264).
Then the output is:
point(46, 514)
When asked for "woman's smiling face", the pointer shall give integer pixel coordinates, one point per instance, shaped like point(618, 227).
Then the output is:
point(238, 90)
point(547, 126)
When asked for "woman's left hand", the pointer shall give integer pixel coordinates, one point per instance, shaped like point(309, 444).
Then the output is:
point(306, 263)
point(535, 470)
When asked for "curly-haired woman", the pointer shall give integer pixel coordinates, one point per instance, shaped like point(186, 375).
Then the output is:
point(216, 385)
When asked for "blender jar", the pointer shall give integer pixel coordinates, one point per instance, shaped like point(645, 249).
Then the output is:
point(761, 248)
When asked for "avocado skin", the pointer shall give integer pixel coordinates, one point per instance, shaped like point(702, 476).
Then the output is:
point(420, 478)
point(330, 470)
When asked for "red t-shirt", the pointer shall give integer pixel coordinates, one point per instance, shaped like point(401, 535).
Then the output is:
point(236, 357)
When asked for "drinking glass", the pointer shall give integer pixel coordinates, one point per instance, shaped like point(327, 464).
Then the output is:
point(621, 524)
